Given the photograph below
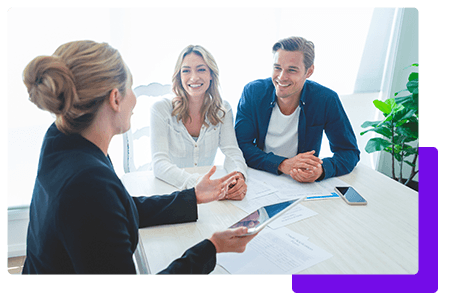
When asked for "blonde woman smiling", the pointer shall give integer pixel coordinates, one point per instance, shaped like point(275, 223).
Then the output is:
point(187, 130)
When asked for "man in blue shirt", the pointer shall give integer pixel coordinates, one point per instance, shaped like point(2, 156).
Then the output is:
point(280, 120)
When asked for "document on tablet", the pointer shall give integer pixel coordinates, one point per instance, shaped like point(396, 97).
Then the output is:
point(280, 251)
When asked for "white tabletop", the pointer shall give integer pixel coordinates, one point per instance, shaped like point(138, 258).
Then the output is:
point(380, 238)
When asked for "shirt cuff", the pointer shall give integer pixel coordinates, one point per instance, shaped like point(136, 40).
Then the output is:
point(327, 167)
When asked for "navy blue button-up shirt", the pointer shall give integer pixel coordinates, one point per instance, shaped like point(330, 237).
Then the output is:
point(321, 110)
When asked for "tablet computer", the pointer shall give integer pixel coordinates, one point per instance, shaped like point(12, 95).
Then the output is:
point(260, 218)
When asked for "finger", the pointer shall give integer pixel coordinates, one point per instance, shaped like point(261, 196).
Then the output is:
point(238, 191)
point(248, 238)
point(236, 186)
point(306, 154)
point(232, 176)
point(306, 177)
point(310, 155)
point(240, 231)
point(311, 159)
point(236, 196)
point(294, 174)
point(306, 166)
point(232, 180)
point(232, 194)
point(299, 175)
point(210, 172)
point(303, 171)
point(222, 192)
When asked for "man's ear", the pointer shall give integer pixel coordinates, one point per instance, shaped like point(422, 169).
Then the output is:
point(310, 71)
point(114, 100)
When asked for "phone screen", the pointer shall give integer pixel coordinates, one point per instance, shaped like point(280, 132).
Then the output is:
point(351, 195)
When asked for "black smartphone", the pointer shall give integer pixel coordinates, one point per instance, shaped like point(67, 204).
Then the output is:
point(350, 195)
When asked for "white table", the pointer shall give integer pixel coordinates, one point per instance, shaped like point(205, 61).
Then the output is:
point(380, 238)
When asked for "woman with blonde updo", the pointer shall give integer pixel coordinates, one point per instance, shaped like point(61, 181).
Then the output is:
point(82, 219)
point(186, 131)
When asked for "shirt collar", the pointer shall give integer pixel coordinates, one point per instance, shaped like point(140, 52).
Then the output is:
point(302, 101)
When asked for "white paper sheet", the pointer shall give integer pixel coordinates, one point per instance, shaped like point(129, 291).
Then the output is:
point(297, 213)
point(280, 251)
point(257, 189)
point(287, 188)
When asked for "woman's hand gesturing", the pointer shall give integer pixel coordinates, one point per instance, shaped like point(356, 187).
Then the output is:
point(208, 190)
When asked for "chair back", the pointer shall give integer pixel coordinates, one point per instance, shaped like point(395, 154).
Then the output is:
point(140, 259)
point(136, 141)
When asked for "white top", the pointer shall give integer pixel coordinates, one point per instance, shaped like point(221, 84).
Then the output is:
point(173, 148)
point(282, 133)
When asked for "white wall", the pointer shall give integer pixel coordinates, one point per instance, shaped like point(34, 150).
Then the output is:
point(407, 54)
point(359, 108)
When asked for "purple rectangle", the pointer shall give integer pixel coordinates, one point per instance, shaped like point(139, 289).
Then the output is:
point(426, 279)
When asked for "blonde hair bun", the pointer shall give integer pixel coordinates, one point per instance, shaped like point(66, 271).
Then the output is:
point(75, 81)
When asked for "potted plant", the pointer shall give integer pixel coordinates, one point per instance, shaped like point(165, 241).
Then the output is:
point(399, 127)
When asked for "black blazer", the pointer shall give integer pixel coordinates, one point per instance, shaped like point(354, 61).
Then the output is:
point(82, 219)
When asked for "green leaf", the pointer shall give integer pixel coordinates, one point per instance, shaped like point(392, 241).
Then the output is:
point(380, 130)
point(412, 65)
point(413, 76)
point(383, 131)
point(410, 102)
point(405, 90)
point(397, 156)
point(398, 139)
point(388, 149)
point(412, 150)
point(391, 102)
point(404, 114)
point(370, 123)
point(413, 86)
point(409, 130)
point(376, 144)
point(404, 99)
point(383, 107)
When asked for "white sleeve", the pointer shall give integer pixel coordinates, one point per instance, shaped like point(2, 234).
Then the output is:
point(234, 160)
point(163, 167)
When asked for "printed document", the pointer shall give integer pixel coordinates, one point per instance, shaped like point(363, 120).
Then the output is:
point(280, 251)
point(297, 213)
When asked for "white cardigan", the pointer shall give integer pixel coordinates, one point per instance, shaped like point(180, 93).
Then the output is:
point(173, 148)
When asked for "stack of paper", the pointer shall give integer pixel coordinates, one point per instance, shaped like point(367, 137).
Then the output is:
point(280, 251)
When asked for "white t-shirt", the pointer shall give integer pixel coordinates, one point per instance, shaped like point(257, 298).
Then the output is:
point(282, 134)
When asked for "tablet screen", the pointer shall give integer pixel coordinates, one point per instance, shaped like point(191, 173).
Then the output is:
point(263, 215)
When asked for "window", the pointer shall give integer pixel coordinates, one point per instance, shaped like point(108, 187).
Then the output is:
point(150, 40)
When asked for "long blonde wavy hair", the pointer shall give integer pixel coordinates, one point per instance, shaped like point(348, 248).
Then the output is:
point(212, 106)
